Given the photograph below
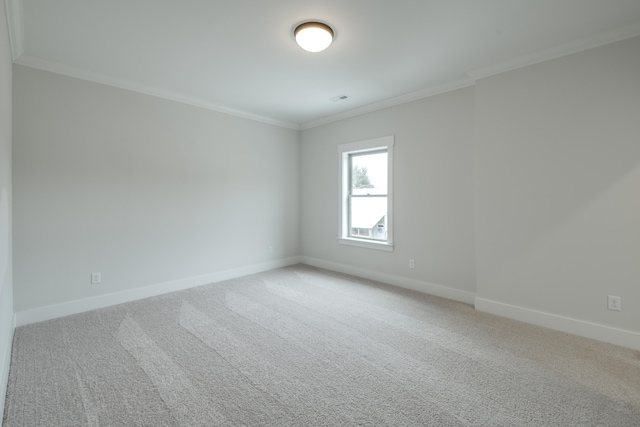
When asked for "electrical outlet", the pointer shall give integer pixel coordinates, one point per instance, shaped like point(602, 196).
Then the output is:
point(615, 303)
point(95, 278)
point(411, 264)
point(270, 249)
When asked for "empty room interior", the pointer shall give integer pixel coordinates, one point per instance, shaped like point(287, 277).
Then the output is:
point(429, 216)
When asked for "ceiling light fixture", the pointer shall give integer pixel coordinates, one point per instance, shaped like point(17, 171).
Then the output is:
point(313, 36)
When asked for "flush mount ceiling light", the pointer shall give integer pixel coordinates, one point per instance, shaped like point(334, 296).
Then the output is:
point(313, 36)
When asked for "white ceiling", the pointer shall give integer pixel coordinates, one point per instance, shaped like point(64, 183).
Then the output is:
point(239, 56)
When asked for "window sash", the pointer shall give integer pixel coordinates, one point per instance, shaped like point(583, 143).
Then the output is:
point(350, 226)
point(350, 168)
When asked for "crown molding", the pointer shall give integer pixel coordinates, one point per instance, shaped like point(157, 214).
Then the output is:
point(565, 49)
point(575, 46)
point(15, 22)
point(391, 102)
point(66, 70)
point(16, 34)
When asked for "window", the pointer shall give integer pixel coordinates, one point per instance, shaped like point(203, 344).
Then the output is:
point(365, 193)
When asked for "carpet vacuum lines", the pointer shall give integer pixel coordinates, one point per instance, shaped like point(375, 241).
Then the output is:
point(302, 346)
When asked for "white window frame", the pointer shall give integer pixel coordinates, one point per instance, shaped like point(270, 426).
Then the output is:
point(344, 151)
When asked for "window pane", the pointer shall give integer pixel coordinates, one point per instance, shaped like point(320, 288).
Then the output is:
point(369, 173)
point(368, 217)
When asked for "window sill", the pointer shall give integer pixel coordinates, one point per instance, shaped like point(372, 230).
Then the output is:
point(381, 246)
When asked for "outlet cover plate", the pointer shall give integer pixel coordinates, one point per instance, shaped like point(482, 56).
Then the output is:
point(95, 278)
point(614, 303)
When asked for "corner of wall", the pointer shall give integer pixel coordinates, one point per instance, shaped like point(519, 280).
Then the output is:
point(7, 316)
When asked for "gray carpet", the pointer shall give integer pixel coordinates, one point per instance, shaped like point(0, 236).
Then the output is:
point(305, 347)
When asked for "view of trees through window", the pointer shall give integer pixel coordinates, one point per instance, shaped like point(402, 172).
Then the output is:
point(360, 177)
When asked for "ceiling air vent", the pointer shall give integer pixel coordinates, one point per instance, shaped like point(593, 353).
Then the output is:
point(339, 98)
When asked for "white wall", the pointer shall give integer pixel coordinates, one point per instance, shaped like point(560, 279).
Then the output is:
point(433, 194)
point(141, 189)
point(6, 280)
point(558, 186)
point(526, 183)
point(556, 226)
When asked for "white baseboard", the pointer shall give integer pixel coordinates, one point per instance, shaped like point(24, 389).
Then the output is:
point(402, 282)
point(582, 328)
point(5, 365)
point(87, 304)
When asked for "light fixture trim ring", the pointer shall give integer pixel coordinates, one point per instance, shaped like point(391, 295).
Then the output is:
point(313, 24)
